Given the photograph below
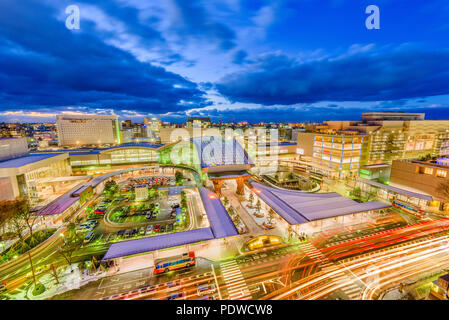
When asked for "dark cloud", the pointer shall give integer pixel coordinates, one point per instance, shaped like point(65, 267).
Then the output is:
point(44, 64)
point(195, 22)
point(239, 56)
point(400, 74)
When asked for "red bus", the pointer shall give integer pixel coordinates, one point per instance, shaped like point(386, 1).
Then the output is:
point(184, 260)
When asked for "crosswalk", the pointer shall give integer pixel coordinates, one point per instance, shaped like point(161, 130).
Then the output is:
point(235, 283)
point(351, 289)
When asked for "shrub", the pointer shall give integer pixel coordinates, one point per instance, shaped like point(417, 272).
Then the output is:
point(38, 289)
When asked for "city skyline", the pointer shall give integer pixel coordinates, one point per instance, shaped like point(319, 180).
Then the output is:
point(234, 61)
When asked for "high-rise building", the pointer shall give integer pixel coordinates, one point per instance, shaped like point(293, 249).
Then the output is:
point(408, 138)
point(153, 127)
point(78, 130)
point(198, 122)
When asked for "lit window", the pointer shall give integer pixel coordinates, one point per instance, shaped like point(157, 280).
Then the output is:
point(428, 170)
point(441, 173)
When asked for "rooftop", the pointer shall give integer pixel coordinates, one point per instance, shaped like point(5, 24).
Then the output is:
point(217, 151)
point(23, 161)
point(299, 207)
point(400, 190)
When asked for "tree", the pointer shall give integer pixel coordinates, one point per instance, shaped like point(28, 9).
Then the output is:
point(53, 271)
point(179, 177)
point(225, 201)
point(251, 198)
point(356, 192)
point(71, 243)
point(110, 188)
point(89, 210)
point(20, 218)
point(231, 211)
point(271, 215)
point(258, 206)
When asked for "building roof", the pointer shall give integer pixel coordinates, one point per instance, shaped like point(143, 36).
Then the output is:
point(216, 151)
point(131, 247)
point(298, 207)
point(60, 204)
point(228, 175)
point(23, 161)
point(220, 221)
point(396, 189)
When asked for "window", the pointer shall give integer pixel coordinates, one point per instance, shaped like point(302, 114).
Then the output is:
point(428, 170)
point(441, 173)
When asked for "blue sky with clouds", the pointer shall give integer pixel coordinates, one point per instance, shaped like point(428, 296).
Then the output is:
point(286, 60)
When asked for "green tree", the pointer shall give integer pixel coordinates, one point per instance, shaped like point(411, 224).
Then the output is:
point(71, 243)
point(89, 210)
point(225, 201)
point(179, 177)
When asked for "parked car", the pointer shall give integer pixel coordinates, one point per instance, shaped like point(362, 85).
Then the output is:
point(127, 233)
point(162, 228)
point(120, 233)
point(89, 237)
point(142, 231)
point(100, 211)
point(156, 228)
point(134, 232)
point(149, 228)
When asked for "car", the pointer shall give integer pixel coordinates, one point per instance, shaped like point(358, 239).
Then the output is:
point(162, 228)
point(156, 228)
point(149, 228)
point(206, 289)
point(173, 284)
point(156, 205)
point(147, 289)
point(205, 298)
point(127, 233)
point(133, 293)
point(142, 231)
point(175, 296)
point(134, 232)
point(119, 233)
point(99, 211)
point(89, 237)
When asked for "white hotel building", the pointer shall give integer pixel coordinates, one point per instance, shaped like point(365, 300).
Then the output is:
point(78, 130)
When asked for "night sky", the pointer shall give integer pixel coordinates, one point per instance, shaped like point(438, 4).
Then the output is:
point(298, 60)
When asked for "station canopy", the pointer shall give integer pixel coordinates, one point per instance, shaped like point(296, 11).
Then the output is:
point(219, 154)
point(131, 247)
point(301, 207)
point(219, 219)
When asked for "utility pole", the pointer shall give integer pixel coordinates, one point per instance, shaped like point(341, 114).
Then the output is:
point(32, 268)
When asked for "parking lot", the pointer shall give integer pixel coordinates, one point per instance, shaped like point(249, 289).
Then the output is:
point(123, 217)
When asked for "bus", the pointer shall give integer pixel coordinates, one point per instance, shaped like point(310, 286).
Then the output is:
point(409, 208)
point(184, 260)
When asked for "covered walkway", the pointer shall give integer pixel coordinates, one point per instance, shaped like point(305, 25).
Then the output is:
point(296, 207)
